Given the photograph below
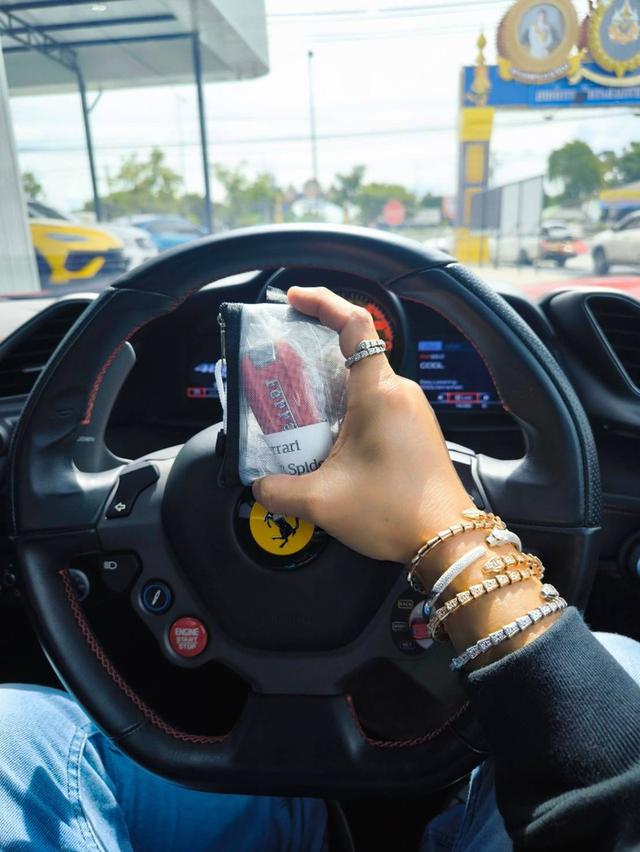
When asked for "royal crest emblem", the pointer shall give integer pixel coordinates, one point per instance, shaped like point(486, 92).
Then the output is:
point(624, 27)
point(614, 35)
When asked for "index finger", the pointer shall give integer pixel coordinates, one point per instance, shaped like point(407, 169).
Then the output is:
point(352, 323)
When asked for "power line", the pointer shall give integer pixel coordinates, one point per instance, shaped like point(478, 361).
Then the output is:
point(412, 130)
point(387, 13)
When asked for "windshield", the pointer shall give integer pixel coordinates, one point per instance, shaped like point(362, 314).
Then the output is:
point(37, 210)
point(281, 112)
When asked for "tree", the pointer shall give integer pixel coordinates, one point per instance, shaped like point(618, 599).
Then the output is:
point(346, 187)
point(431, 201)
point(629, 163)
point(142, 186)
point(579, 169)
point(32, 187)
point(248, 201)
point(610, 167)
point(371, 198)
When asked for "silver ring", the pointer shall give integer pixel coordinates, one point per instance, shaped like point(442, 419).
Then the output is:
point(365, 349)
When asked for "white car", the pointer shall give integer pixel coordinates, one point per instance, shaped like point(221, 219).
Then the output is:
point(619, 244)
point(138, 245)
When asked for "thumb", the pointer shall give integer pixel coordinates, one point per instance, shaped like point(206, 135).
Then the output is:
point(284, 494)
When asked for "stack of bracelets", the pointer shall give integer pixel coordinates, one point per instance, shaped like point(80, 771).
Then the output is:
point(501, 571)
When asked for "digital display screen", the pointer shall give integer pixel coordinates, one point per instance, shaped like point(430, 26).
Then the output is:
point(453, 375)
point(201, 382)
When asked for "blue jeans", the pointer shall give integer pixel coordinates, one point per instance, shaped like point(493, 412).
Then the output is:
point(476, 826)
point(63, 785)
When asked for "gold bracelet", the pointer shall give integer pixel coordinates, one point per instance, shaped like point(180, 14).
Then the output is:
point(478, 520)
point(477, 591)
point(498, 564)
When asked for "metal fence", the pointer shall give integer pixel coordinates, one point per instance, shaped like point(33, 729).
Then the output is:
point(510, 216)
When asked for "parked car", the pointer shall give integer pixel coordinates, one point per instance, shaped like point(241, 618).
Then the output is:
point(618, 244)
point(69, 252)
point(558, 244)
point(166, 231)
point(554, 242)
point(138, 244)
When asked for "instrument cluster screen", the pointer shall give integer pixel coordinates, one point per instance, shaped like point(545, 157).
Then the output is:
point(200, 379)
point(453, 375)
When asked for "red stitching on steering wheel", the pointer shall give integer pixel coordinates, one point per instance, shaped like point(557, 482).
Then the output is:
point(416, 741)
point(149, 714)
point(102, 372)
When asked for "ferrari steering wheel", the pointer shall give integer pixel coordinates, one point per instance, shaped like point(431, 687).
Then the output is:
point(298, 636)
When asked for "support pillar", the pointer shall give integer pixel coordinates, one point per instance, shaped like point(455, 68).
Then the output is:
point(18, 271)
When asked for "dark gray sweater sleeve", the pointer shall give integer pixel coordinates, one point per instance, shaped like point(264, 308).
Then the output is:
point(563, 719)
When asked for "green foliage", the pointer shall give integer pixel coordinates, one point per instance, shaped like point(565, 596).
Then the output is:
point(32, 187)
point(371, 198)
point(431, 201)
point(247, 201)
point(346, 187)
point(142, 186)
point(610, 167)
point(579, 169)
point(629, 163)
point(151, 186)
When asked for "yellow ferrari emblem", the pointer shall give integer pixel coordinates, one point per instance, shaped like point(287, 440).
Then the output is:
point(277, 534)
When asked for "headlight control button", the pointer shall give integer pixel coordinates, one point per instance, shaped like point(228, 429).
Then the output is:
point(118, 571)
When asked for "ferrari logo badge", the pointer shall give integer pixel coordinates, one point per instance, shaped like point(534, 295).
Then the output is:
point(277, 534)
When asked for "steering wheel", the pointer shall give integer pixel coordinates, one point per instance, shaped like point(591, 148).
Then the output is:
point(295, 636)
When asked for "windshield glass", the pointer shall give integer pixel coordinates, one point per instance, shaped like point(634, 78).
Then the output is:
point(277, 111)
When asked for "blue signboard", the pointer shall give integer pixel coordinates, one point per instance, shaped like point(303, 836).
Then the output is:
point(559, 93)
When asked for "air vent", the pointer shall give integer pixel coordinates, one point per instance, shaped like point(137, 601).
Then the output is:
point(619, 322)
point(28, 351)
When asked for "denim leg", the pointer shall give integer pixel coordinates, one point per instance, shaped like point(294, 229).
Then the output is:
point(63, 785)
point(53, 792)
point(477, 826)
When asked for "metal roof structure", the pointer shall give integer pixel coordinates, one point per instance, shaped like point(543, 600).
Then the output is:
point(52, 46)
point(130, 43)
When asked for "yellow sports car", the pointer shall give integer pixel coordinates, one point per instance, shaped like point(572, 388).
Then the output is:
point(68, 251)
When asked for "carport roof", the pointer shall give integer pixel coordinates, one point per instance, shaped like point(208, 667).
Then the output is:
point(131, 43)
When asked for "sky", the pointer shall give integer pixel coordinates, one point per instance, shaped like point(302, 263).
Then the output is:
point(386, 80)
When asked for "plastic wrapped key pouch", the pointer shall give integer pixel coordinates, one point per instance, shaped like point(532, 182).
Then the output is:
point(285, 394)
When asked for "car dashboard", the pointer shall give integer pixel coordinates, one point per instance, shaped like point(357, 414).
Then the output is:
point(171, 393)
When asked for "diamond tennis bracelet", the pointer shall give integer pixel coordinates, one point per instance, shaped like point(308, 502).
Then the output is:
point(554, 604)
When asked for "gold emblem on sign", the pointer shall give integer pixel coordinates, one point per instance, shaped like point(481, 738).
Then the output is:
point(481, 85)
point(536, 40)
point(277, 534)
point(614, 35)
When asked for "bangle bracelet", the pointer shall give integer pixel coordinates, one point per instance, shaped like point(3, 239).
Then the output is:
point(554, 604)
point(498, 564)
point(474, 592)
point(449, 575)
point(475, 519)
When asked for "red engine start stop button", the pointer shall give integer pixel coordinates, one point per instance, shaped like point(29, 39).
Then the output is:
point(188, 637)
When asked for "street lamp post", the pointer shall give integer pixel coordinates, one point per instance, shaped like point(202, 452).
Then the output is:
point(312, 119)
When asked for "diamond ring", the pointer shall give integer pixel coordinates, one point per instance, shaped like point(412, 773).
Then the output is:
point(365, 349)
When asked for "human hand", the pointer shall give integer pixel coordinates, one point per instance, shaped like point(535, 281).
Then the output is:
point(388, 484)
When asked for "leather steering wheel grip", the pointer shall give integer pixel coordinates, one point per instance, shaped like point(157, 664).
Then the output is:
point(60, 478)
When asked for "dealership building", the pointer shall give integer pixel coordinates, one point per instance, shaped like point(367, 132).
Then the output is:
point(50, 46)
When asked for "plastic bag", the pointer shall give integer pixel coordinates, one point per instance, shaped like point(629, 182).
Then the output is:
point(285, 412)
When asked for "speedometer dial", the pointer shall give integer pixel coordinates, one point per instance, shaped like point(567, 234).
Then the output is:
point(382, 320)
